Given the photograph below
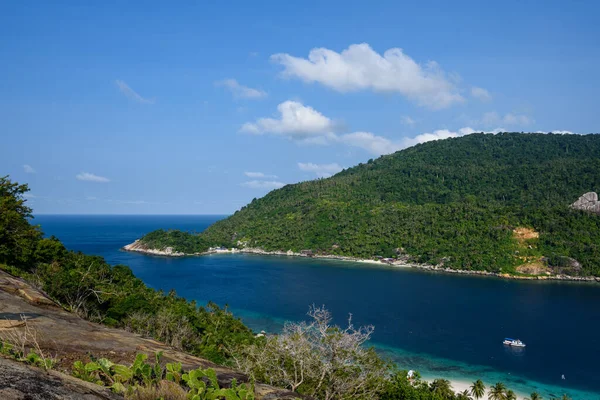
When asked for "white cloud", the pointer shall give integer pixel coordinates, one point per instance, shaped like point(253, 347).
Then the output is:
point(132, 94)
point(374, 144)
point(263, 184)
point(559, 132)
point(406, 120)
point(481, 94)
point(436, 135)
point(28, 169)
point(241, 91)
point(88, 177)
point(308, 126)
point(29, 196)
point(259, 175)
point(359, 67)
point(379, 145)
point(321, 170)
point(493, 118)
point(295, 121)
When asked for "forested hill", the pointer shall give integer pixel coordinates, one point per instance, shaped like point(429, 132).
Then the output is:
point(475, 202)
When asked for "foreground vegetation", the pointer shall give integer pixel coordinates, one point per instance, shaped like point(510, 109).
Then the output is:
point(312, 358)
point(455, 202)
point(142, 380)
point(111, 295)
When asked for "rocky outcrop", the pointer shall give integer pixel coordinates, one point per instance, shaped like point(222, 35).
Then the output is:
point(140, 247)
point(19, 382)
point(588, 202)
point(71, 338)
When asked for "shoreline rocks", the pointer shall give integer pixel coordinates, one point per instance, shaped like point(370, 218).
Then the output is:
point(141, 248)
point(168, 252)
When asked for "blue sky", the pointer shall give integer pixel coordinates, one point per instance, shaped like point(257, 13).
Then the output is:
point(151, 108)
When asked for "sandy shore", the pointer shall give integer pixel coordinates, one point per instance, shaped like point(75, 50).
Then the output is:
point(459, 386)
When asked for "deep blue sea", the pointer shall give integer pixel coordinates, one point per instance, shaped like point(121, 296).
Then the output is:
point(440, 324)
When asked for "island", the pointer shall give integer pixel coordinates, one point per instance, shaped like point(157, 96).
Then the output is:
point(515, 205)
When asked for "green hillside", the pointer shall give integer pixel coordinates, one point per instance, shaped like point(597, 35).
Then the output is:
point(457, 201)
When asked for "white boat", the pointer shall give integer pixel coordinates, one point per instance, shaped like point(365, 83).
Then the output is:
point(513, 342)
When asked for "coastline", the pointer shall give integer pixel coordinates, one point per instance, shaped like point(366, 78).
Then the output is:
point(459, 386)
point(138, 247)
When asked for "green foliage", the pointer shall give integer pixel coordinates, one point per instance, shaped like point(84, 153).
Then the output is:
point(15, 230)
point(6, 349)
point(117, 376)
point(317, 359)
point(497, 392)
point(202, 384)
point(400, 387)
point(100, 292)
point(35, 359)
point(173, 372)
point(454, 201)
point(182, 241)
point(477, 389)
point(94, 289)
point(31, 358)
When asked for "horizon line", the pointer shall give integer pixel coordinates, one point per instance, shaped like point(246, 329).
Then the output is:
point(120, 214)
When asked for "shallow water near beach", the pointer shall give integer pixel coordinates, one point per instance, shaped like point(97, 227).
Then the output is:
point(443, 325)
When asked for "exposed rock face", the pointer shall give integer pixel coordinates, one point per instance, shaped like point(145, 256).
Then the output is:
point(142, 248)
point(21, 382)
point(563, 265)
point(71, 338)
point(588, 202)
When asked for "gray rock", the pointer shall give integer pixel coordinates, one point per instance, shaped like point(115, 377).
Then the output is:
point(21, 382)
point(588, 202)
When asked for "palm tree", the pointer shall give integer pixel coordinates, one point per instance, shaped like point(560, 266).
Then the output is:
point(442, 388)
point(464, 395)
point(478, 389)
point(510, 395)
point(497, 392)
point(565, 397)
point(535, 396)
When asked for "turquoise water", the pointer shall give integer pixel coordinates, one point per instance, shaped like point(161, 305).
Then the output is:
point(442, 325)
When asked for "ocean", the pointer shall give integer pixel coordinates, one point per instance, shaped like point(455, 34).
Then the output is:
point(443, 325)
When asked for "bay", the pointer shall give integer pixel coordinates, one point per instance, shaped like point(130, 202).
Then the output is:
point(443, 325)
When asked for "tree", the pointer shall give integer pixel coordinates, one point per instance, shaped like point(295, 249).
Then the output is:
point(510, 395)
point(442, 388)
point(464, 395)
point(318, 359)
point(478, 389)
point(400, 386)
point(18, 239)
point(497, 392)
point(535, 396)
